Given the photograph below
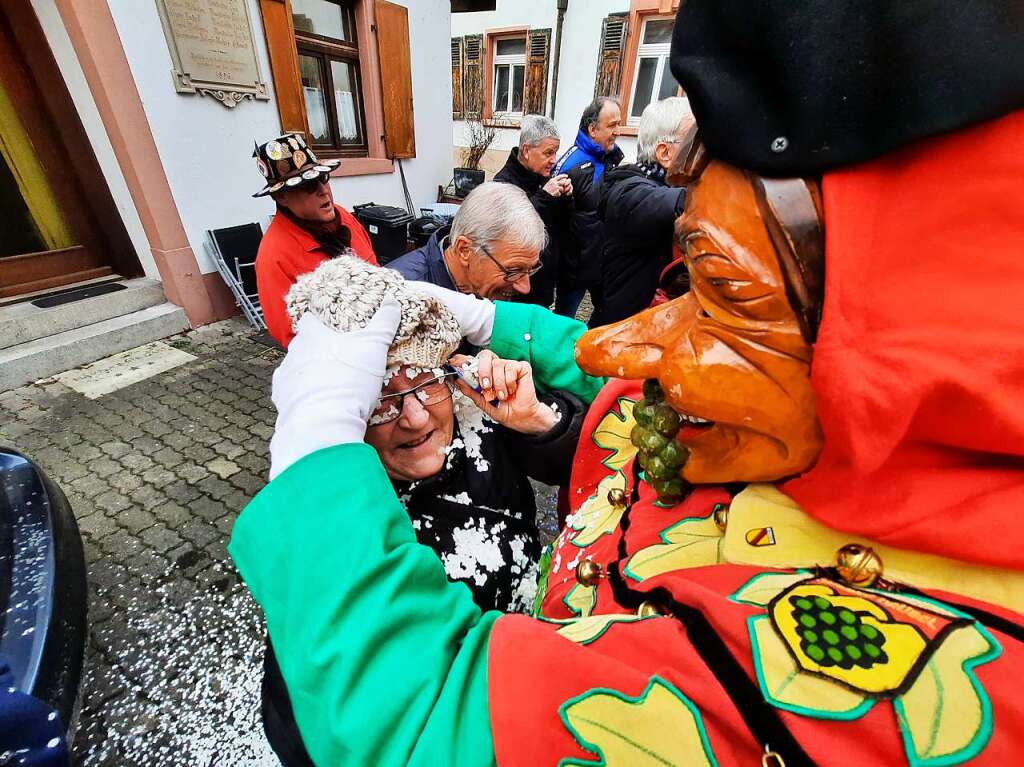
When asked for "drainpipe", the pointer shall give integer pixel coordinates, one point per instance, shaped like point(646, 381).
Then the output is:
point(562, 6)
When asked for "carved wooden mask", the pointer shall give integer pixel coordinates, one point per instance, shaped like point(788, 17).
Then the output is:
point(735, 351)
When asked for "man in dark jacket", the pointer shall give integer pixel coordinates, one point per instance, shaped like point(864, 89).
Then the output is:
point(491, 249)
point(593, 154)
point(639, 212)
point(529, 168)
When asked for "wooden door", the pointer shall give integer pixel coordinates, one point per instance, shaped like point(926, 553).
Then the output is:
point(60, 224)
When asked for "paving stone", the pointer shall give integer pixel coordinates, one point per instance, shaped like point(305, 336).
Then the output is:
point(146, 445)
point(182, 492)
point(223, 468)
point(147, 497)
point(248, 483)
point(116, 449)
point(135, 520)
point(168, 457)
point(228, 449)
point(190, 472)
point(157, 428)
point(178, 440)
point(88, 486)
point(172, 514)
point(97, 526)
point(199, 533)
point(112, 502)
point(84, 452)
point(125, 481)
point(136, 461)
point(67, 471)
point(208, 508)
point(104, 467)
point(158, 476)
point(215, 487)
point(160, 538)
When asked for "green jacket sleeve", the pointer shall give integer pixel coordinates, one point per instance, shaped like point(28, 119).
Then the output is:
point(384, 659)
point(547, 341)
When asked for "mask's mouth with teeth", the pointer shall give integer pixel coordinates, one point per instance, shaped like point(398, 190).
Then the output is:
point(691, 426)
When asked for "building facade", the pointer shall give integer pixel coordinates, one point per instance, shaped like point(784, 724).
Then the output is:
point(512, 61)
point(127, 129)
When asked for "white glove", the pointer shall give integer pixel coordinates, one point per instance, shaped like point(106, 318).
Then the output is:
point(475, 315)
point(328, 384)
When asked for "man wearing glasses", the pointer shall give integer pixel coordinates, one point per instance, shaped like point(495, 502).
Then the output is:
point(307, 229)
point(491, 250)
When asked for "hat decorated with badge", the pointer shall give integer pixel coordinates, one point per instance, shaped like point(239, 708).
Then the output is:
point(287, 161)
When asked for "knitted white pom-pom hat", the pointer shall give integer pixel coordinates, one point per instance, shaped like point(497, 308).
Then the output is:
point(345, 292)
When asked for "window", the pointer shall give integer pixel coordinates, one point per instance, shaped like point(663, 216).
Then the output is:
point(509, 76)
point(325, 36)
point(652, 77)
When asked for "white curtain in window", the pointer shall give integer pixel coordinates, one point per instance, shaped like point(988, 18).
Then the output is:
point(314, 98)
point(346, 106)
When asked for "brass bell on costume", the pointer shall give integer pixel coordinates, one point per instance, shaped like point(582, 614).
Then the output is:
point(647, 609)
point(617, 497)
point(721, 516)
point(588, 573)
point(858, 565)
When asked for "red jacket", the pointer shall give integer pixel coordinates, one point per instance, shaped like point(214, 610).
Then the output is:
point(287, 252)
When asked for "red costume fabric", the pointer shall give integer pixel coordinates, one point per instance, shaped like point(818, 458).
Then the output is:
point(285, 253)
point(918, 368)
point(919, 373)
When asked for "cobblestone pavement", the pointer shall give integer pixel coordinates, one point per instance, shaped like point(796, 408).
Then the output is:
point(156, 473)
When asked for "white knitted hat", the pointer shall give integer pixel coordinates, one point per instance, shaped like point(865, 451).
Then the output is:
point(345, 292)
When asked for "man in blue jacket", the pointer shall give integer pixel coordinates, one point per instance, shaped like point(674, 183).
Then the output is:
point(585, 163)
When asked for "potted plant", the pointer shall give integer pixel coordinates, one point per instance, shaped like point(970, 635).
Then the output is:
point(469, 176)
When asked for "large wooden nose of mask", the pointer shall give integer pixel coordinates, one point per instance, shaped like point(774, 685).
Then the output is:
point(632, 348)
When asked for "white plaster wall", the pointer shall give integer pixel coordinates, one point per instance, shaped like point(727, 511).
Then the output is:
point(206, 148)
point(67, 61)
point(581, 34)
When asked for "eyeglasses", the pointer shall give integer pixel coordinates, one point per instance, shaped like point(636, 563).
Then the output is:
point(511, 275)
point(433, 392)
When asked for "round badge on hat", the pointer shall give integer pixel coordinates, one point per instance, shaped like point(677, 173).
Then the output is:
point(299, 158)
point(262, 166)
point(293, 181)
point(310, 174)
point(275, 150)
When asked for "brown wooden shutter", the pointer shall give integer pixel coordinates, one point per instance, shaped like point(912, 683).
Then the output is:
point(284, 65)
point(609, 61)
point(396, 79)
point(535, 89)
point(456, 78)
point(472, 77)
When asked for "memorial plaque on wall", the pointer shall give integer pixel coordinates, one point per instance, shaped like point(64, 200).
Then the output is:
point(212, 49)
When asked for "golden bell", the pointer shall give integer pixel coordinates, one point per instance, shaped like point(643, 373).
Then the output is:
point(617, 497)
point(588, 573)
point(858, 565)
point(647, 609)
point(721, 516)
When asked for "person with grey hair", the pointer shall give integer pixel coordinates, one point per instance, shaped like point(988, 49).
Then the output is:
point(491, 249)
point(529, 167)
point(639, 211)
point(586, 162)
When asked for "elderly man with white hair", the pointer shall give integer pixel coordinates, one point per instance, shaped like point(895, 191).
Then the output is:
point(529, 167)
point(491, 249)
point(639, 211)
